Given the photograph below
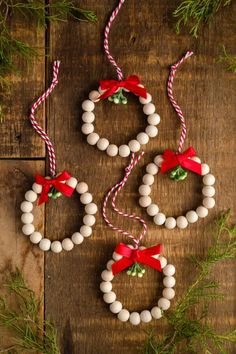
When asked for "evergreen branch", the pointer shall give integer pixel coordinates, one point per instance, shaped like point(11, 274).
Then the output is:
point(228, 59)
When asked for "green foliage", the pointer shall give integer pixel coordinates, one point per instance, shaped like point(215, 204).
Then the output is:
point(196, 12)
point(20, 314)
point(228, 59)
point(195, 335)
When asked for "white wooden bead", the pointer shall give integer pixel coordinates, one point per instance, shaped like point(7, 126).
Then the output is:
point(168, 293)
point(145, 316)
point(163, 261)
point(169, 270)
point(109, 264)
point(158, 160)
point(152, 209)
point(159, 219)
point(36, 237)
point(156, 312)
point(107, 275)
point(169, 282)
point(196, 159)
point(152, 169)
point(27, 218)
point(149, 108)
point(86, 231)
point(110, 297)
point(191, 216)
point(77, 238)
point(181, 222)
point(112, 150)
point(116, 256)
point(116, 307)
point(202, 212)
point(144, 189)
point(37, 188)
point(87, 128)
point(56, 247)
point(91, 208)
point(145, 100)
point(205, 169)
point(72, 182)
point(89, 220)
point(100, 90)
point(208, 191)
point(28, 229)
point(151, 131)
point(92, 138)
point(105, 286)
point(31, 196)
point(88, 106)
point(26, 207)
point(88, 117)
point(148, 179)
point(86, 198)
point(164, 303)
point(124, 150)
point(93, 96)
point(154, 119)
point(67, 244)
point(102, 144)
point(208, 202)
point(123, 315)
point(145, 201)
point(170, 223)
point(134, 318)
point(82, 187)
point(45, 244)
point(142, 138)
point(134, 145)
point(209, 179)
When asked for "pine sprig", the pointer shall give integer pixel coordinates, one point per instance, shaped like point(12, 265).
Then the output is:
point(195, 335)
point(30, 333)
point(196, 12)
point(228, 59)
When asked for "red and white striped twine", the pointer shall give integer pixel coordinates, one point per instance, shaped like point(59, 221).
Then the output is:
point(37, 127)
point(106, 43)
point(114, 191)
point(172, 100)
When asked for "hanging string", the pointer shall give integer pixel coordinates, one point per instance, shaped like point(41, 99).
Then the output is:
point(114, 191)
point(173, 101)
point(106, 42)
point(38, 128)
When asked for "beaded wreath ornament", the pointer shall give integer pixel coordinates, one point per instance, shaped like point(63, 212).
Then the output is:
point(114, 91)
point(132, 258)
point(177, 162)
point(53, 187)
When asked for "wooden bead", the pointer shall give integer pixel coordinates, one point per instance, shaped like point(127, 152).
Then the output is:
point(145, 100)
point(205, 169)
point(123, 315)
point(93, 96)
point(89, 220)
point(88, 106)
point(202, 212)
point(196, 159)
point(154, 119)
point(143, 138)
point(102, 144)
point(170, 223)
point(72, 182)
point(36, 237)
point(37, 188)
point(145, 201)
point(87, 128)
point(45, 244)
point(163, 303)
point(116, 256)
point(168, 293)
point(208, 191)
point(158, 160)
point(169, 282)
point(181, 222)
point(134, 145)
point(149, 108)
point(156, 312)
point(159, 219)
point(67, 244)
point(145, 316)
point(148, 179)
point(107, 275)
point(31, 196)
point(26, 207)
point(144, 189)
point(86, 231)
point(152, 169)
point(56, 247)
point(152, 209)
point(109, 264)
point(106, 287)
point(82, 187)
point(209, 203)
point(86, 198)
point(163, 261)
point(27, 218)
point(91, 208)
point(151, 131)
point(92, 138)
point(134, 318)
point(77, 238)
point(28, 229)
point(88, 117)
point(112, 150)
point(191, 216)
point(124, 150)
point(169, 270)
point(209, 179)
point(116, 307)
point(109, 298)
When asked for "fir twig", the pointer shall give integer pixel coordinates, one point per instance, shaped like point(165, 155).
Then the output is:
point(228, 59)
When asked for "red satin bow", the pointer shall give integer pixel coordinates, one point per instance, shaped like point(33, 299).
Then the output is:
point(131, 256)
point(172, 159)
point(130, 83)
point(56, 183)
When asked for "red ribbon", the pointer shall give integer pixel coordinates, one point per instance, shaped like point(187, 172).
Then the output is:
point(131, 256)
point(172, 159)
point(130, 83)
point(56, 183)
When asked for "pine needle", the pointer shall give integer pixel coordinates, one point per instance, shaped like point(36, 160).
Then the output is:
point(228, 59)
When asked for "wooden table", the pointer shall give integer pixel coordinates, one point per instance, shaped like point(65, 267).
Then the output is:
point(143, 40)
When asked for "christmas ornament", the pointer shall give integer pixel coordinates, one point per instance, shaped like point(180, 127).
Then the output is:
point(53, 187)
point(114, 91)
point(178, 163)
point(133, 258)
